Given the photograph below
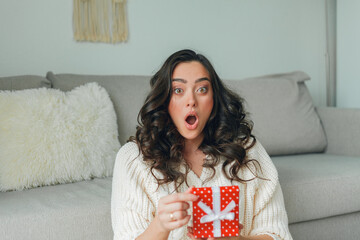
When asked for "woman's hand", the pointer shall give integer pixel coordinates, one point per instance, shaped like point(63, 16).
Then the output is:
point(172, 210)
point(191, 235)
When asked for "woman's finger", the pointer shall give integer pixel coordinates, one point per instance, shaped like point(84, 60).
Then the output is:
point(179, 197)
point(174, 216)
point(191, 236)
point(189, 189)
point(178, 223)
point(240, 227)
point(172, 209)
point(180, 214)
point(177, 206)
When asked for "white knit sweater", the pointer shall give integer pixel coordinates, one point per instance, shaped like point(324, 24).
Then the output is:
point(135, 196)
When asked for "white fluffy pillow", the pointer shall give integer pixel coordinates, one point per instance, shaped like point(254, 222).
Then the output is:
point(48, 136)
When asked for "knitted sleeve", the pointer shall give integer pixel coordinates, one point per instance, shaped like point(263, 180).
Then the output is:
point(131, 207)
point(269, 209)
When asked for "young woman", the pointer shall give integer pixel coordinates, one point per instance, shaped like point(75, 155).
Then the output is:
point(193, 132)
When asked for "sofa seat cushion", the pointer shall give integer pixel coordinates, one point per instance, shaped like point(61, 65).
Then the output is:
point(319, 185)
point(68, 211)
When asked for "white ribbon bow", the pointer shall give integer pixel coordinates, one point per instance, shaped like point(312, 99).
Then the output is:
point(212, 216)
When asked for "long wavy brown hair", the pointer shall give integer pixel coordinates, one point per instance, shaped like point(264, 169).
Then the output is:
point(227, 132)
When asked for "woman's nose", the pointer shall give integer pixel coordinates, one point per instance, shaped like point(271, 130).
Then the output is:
point(191, 100)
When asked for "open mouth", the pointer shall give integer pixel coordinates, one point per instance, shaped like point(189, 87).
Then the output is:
point(191, 119)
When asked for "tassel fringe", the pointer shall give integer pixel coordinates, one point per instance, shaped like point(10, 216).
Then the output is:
point(100, 21)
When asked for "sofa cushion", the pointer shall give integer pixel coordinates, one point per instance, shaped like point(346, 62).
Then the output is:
point(49, 137)
point(128, 94)
point(23, 82)
point(319, 185)
point(332, 228)
point(285, 120)
point(68, 211)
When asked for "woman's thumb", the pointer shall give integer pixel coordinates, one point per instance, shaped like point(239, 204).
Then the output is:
point(189, 189)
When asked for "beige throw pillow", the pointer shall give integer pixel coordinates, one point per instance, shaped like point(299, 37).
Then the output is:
point(49, 137)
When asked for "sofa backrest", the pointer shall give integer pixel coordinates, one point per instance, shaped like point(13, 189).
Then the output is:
point(23, 82)
point(128, 94)
point(280, 105)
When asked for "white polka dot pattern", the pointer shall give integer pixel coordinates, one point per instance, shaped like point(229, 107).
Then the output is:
point(228, 227)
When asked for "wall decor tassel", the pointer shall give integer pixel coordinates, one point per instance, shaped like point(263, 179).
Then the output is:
point(100, 21)
point(119, 27)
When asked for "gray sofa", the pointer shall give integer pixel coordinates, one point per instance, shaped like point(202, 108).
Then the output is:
point(316, 152)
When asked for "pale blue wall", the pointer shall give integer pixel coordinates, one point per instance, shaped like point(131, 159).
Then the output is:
point(242, 38)
point(348, 53)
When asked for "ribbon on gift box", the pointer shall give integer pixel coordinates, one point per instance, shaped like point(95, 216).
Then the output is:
point(216, 215)
point(212, 216)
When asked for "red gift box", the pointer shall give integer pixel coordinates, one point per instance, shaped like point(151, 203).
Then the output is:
point(216, 212)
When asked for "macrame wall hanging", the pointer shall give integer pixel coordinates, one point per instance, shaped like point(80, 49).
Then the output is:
point(100, 21)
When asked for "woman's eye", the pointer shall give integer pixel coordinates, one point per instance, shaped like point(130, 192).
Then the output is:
point(178, 90)
point(202, 90)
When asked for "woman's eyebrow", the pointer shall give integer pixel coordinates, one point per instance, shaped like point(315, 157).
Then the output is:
point(202, 79)
point(179, 80)
point(185, 81)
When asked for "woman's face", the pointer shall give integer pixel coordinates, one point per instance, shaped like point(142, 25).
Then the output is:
point(191, 101)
